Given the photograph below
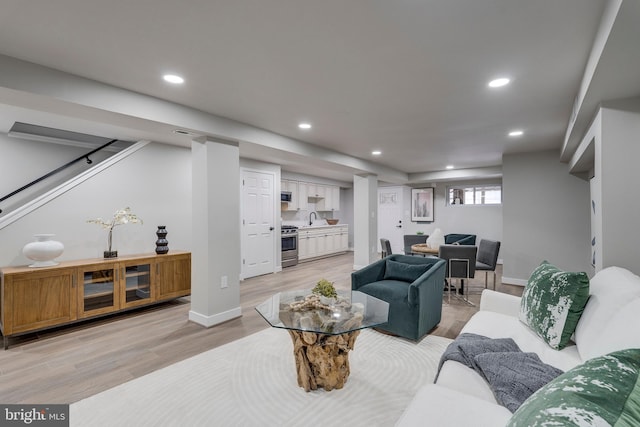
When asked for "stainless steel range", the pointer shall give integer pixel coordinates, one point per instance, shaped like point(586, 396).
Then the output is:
point(289, 245)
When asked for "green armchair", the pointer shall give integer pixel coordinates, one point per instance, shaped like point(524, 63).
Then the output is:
point(413, 287)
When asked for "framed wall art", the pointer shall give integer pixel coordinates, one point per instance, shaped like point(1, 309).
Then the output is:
point(422, 204)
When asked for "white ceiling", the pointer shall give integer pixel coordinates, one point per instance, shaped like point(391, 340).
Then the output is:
point(407, 77)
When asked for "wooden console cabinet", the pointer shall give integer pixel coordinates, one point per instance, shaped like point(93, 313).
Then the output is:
point(39, 298)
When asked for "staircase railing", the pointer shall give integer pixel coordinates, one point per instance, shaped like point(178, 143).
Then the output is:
point(57, 170)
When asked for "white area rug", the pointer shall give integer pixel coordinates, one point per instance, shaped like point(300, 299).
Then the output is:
point(252, 382)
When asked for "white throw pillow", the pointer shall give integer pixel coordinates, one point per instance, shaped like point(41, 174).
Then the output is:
point(609, 320)
point(435, 239)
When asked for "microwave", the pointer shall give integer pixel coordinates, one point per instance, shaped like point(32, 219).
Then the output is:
point(285, 196)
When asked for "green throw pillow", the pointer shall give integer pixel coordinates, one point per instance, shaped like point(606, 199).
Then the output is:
point(395, 270)
point(552, 303)
point(604, 391)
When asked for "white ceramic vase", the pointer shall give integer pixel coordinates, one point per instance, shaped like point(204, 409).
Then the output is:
point(43, 250)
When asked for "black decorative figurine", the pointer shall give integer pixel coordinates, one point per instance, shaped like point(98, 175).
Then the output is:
point(162, 244)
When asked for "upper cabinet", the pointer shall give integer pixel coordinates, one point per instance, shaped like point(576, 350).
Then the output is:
point(325, 197)
point(293, 188)
point(316, 191)
point(303, 196)
point(331, 199)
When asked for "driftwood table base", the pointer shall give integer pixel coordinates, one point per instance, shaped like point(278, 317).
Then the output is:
point(322, 360)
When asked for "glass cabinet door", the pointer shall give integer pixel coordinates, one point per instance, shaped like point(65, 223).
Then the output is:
point(137, 286)
point(98, 290)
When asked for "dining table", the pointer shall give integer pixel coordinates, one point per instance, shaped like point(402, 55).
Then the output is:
point(423, 249)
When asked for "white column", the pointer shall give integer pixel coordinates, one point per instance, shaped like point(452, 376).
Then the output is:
point(365, 220)
point(215, 277)
point(616, 166)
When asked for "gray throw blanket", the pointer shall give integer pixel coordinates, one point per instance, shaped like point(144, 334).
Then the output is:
point(512, 375)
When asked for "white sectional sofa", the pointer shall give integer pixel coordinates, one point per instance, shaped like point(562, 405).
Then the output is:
point(461, 397)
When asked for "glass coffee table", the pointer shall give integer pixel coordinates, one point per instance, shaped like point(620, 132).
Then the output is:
point(323, 331)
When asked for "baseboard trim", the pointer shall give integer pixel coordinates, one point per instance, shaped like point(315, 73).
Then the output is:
point(514, 281)
point(215, 319)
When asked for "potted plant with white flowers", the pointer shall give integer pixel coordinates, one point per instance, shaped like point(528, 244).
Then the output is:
point(120, 217)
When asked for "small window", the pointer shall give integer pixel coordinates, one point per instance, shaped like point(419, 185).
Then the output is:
point(475, 195)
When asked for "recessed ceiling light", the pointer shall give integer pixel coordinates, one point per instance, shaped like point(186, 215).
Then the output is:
point(502, 81)
point(449, 166)
point(515, 133)
point(172, 78)
point(304, 125)
point(376, 152)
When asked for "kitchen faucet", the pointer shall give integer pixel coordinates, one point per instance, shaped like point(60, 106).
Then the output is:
point(312, 213)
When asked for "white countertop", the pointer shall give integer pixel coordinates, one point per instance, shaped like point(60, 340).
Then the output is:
point(314, 226)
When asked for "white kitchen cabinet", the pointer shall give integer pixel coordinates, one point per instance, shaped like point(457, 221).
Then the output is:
point(292, 187)
point(303, 196)
point(344, 239)
point(303, 246)
point(338, 239)
point(325, 197)
point(331, 200)
point(321, 244)
point(311, 189)
point(335, 198)
point(316, 191)
point(307, 243)
point(315, 242)
point(332, 241)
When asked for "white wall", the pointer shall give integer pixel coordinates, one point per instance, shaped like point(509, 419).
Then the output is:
point(23, 161)
point(483, 221)
point(346, 211)
point(155, 182)
point(545, 216)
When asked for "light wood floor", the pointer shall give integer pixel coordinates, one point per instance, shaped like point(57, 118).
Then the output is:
point(71, 363)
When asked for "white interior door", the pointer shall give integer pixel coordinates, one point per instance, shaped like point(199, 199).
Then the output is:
point(390, 208)
point(258, 223)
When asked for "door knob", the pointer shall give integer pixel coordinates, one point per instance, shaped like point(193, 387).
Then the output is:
point(270, 228)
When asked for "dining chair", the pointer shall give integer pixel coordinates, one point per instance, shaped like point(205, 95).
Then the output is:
point(488, 259)
point(461, 264)
point(386, 247)
point(412, 239)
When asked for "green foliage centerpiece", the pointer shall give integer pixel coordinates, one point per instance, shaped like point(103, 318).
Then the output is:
point(322, 297)
point(325, 289)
